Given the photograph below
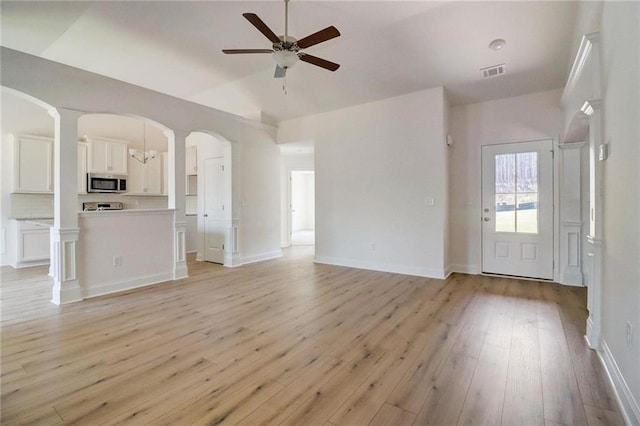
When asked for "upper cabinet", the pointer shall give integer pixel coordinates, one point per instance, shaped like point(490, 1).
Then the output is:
point(33, 171)
point(191, 160)
point(145, 179)
point(108, 156)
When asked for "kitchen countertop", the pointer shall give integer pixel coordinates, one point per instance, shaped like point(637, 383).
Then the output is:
point(41, 221)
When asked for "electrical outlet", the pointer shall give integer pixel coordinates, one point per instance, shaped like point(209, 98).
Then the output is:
point(629, 335)
point(117, 261)
point(373, 246)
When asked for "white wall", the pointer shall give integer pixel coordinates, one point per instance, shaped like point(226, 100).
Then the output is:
point(620, 54)
point(142, 239)
point(259, 169)
point(375, 164)
point(522, 118)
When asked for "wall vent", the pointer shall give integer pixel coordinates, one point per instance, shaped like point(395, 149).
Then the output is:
point(492, 71)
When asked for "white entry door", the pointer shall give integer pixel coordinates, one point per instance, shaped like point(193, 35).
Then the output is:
point(517, 209)
point(214, 231)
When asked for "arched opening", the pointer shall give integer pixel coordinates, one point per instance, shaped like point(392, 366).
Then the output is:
point(211, 206)
point(27, 179)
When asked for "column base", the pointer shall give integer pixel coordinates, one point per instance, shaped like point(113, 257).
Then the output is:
point(66, 287)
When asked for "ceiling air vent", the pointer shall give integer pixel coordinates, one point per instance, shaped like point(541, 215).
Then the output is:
point(492, 71)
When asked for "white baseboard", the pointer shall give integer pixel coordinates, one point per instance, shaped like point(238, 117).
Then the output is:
point(180, 272)
point(448, 271)
point(261, 257)
point(120, 286)
point(466, 269)
point(628, 404)
point(20, 265)
point(383, 267)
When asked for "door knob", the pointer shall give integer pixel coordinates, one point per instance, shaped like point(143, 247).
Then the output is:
point(486, 219)
point(205, 215)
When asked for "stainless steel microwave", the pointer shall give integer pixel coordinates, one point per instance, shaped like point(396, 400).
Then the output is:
point(106, 183)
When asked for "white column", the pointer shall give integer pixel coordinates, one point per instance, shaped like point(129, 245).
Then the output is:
point(177, 201)
point(592, 108)
point(65, 232)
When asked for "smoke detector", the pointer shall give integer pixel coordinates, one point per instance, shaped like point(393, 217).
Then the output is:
point(492, 71)
point(497, 44)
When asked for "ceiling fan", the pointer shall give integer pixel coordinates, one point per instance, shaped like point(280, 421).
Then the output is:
point(286, 50)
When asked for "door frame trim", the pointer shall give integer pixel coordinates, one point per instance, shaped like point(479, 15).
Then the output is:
point(556, 203)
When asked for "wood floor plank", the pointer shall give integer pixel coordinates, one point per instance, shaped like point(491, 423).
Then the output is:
point(361, 406)
point(523, 402)
point(319, 407)
point(447, 392)
point(485, 398)
point(602, 417)
point(391, 415)
point(288, 341)
point(287, 401)
point(562, 400)
point(410, 392)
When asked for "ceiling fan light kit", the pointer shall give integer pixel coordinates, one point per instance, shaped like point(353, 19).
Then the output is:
point(285, 59)
point(286, 50)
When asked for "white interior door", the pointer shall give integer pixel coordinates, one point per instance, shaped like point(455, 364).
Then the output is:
point(517, 209)
point(214, 233)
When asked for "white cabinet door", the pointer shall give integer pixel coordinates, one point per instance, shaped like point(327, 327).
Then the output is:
point(34, 244)
point(135, 178)
point(82, 168)
point(107, 156)
point(99, 156)
point(145, 179)
point(154, 176)
point(33, 164)
point(119, 155)
point(191, 160)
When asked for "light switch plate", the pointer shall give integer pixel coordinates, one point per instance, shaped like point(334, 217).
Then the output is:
point(429, 201)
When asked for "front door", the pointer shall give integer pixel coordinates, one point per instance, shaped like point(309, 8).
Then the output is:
point(214, 235)
point(517, 209)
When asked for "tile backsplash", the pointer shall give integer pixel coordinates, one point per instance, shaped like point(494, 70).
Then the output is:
point(41, 205)
point(31, 205)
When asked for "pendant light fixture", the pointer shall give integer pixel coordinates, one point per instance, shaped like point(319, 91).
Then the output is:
point(145, 156)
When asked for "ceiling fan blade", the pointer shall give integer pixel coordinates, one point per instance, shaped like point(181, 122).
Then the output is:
point(262, 27)
point(280, 72)
point(323, 63)
point(315, 38)
point(235, 51)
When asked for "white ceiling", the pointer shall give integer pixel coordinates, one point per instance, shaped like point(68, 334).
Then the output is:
point(387, 48)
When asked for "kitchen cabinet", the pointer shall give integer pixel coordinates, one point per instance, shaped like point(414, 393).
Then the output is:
point(108, 156)
point(145, 179)
point(82, 168)
point(33, 164)
point(32, 243)
point(191, 160)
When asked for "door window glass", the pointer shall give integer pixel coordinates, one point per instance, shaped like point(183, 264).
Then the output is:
point(516, 192)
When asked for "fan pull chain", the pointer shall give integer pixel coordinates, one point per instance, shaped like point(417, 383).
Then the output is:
point(284, 85)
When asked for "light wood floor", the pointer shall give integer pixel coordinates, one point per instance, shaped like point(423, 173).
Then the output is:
point(292, 342)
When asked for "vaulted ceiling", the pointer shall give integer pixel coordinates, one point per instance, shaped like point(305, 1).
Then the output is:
point(387, 48)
